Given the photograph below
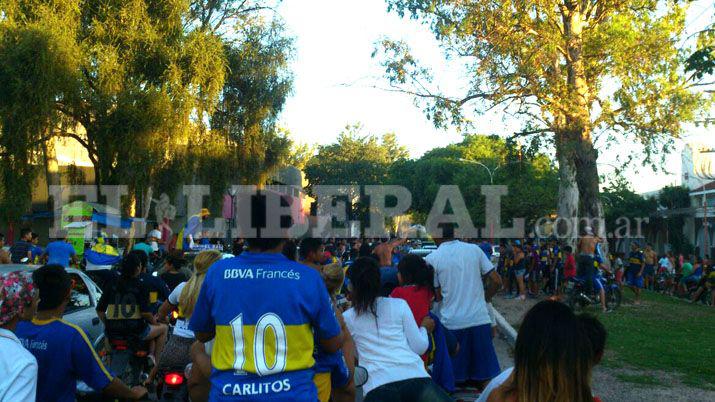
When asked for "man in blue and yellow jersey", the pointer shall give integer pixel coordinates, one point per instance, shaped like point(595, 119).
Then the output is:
point(634, 272)
point(64, 353)
point(262, 310)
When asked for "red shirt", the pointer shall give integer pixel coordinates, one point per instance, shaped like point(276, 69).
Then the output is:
point(570, 266)
point(418, 298)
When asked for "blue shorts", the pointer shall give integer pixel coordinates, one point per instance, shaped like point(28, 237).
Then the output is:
point(339, 373)
point(476, 359)
point(520, 272)
point(632, 278)
point(649, 270)
point(145, 332)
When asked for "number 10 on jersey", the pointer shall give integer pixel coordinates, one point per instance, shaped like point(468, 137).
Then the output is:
point(262, 345)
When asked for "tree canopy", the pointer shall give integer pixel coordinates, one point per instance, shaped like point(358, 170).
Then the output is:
point(355, 158)
point(568, 69)
point(145, 86)
point(528, 176)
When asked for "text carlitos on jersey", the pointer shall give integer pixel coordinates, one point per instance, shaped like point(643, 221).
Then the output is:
point(257, 388)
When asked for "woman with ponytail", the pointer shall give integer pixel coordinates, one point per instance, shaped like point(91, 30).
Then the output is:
point(183, 298)
point(388, 341)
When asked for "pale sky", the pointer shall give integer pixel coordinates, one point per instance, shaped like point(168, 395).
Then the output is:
point(337, 82)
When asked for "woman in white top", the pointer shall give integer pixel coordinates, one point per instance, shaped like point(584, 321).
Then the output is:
point(183, 298)
point(389, 344)
point(18, 367)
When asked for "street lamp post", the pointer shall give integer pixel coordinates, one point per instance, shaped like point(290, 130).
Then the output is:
point(491, 172)
point(706, 232)
point(229, 232)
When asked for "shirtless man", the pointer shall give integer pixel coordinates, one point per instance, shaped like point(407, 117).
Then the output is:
point(585, 268)
point(388, 272)
point(4, 255)
point(649, 271)
point(383, 251)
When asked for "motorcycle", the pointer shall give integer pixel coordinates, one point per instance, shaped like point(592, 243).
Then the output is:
point(576, 296)
point(129, 359)
point(172, 384)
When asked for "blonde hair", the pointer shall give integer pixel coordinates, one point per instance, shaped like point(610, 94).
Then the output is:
point(553, 358)
point(334, 277)
point(190, 292)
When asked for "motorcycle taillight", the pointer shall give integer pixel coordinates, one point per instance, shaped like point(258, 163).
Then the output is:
point(173, 379)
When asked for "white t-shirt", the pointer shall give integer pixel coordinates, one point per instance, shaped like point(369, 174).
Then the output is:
point(18, 370)
point(390, 346)
point(665, 263)
point(458, 269)
point(182, 326)
point(494, 384)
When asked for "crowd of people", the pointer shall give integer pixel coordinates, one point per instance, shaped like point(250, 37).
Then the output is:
point(531, 268)
point(292, 319)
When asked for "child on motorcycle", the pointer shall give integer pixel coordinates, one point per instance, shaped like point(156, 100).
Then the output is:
point(124, 309)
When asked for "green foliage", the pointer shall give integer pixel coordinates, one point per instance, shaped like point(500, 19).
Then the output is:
point(682, 330)
point(549, 62)
point(569, 69)
point(671, 198)
point(620, 201)
point(674, 197)
point(157, 92)
point(532, 179)
point(702, 61)
point(257, 83)
point(36, 63)
point(300, 155)
point(355, 159)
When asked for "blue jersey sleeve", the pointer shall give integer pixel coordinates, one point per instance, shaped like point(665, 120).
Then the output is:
point(162, 287)
point(324, 322)
point(86, 363)
point(201, 318)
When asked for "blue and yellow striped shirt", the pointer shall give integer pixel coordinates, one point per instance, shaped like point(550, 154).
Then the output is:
point(264, 310)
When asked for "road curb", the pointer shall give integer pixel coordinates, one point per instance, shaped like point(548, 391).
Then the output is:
point(504, 327)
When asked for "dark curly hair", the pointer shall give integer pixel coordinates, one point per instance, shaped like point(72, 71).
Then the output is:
point(414, 270)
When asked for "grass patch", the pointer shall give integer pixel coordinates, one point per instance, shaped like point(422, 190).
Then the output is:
point(662, 334)
point(639, 379)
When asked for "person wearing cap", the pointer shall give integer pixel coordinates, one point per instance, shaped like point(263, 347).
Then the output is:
point(193, 228)
point(18, 367)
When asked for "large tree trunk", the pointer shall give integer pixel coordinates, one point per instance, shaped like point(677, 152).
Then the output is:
point(577, 123)
point(568, 201)
point(588, 185)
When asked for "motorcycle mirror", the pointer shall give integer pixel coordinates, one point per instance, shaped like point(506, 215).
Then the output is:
point(360, 376)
